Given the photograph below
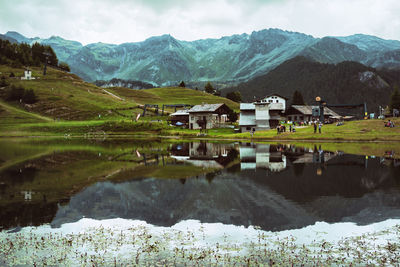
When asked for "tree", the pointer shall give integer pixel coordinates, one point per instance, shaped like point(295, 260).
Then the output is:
point(64, 66)
point(14, 93)
point(395, 99)
point(297, 98)
point(209, 88)
point(3, 81)
point(234, 96)
point(182, 84)
point(29, 97)
point(232, 116)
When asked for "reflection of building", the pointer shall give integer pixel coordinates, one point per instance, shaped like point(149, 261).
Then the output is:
point(262, 156)
point(203, 154)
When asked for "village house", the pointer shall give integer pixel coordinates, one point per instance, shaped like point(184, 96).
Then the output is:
point(263, 114)
point(208, 116)
point(303, 113)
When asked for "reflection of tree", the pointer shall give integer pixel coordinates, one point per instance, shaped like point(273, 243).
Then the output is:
point(19, 175)
point(210, 176)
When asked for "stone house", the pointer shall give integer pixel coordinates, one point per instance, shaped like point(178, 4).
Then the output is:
point(208, 116)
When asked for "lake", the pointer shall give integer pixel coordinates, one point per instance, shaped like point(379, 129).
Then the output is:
point(268, 187)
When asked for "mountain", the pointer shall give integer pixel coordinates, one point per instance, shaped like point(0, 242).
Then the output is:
point(347, 82)
point(164, 60)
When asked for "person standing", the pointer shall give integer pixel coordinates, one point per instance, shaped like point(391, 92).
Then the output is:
point(319, 127)
point(315, 127)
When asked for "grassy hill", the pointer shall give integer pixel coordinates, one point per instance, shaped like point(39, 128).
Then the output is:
point(65, 96)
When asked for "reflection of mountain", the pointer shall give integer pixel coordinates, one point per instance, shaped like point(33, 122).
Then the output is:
point(286, 187)
point(272, 200)
point(166, 202)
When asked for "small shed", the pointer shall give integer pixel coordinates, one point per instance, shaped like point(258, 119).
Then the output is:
point(180, 117)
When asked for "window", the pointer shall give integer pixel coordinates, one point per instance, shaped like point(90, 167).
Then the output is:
point(277, 101)
point(270, 101)
point(248, 128)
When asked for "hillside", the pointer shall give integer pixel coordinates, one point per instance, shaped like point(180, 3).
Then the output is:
point(346, 82)
point(165, 61)
point(65, 96)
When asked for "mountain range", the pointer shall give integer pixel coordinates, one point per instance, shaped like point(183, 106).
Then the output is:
point(347, 82)
point(164, 60)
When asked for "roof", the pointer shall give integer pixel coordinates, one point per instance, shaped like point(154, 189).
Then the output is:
point(180, 112)
point(247, 106)
point(205, 108)
point(307, 110)
point(277, 95)
point(247, 119)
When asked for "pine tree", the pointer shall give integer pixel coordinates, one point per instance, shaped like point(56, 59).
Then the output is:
point(209, 88)
point(395, 99)
point(234, 96)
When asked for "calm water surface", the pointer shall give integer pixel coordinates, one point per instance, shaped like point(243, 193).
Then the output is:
point(276, 187)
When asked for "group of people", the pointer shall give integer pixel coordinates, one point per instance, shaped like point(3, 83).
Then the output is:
point(389, 123)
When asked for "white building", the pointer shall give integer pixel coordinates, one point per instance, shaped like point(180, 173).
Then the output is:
point(263, 114)
point(276, 101)
point(27, 75)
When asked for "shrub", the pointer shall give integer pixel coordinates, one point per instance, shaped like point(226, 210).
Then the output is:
point(14, 93)
point(29, 97)
point(3, 81)
point(64, 66)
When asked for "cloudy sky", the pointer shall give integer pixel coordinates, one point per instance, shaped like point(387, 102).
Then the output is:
point(118, 21)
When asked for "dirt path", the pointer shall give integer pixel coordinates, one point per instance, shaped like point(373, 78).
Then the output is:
point(12, 109)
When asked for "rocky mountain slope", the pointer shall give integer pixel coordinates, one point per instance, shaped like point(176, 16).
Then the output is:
point(164, 60)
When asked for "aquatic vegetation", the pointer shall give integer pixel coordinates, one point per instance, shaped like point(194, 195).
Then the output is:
point(135, 243)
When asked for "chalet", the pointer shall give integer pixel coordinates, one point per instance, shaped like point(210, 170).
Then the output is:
point(277, 102)
point(303, 113)
point(263, 114)
point(180, 118)
point(208, 116)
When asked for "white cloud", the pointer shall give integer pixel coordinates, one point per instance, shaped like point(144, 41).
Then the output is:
point(135, 20)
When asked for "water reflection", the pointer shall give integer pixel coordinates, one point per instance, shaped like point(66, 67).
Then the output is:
point(273, 186)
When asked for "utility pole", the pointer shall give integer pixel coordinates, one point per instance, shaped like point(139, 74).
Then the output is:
point(321, 105)
point(47, 54)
